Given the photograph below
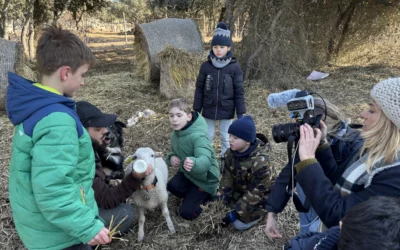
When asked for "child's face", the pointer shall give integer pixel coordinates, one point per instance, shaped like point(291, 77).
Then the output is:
point(238, 144)
point(220, 50)
point(178, 118)
point(73, 81)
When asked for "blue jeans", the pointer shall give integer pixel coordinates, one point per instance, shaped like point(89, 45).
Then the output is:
point(223, 132)
point(309, 222)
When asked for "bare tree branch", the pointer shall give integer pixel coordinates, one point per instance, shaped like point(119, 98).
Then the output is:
point(258, 50)
point(239, 11)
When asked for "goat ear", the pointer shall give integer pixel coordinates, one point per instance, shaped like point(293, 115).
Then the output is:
point(120, 124)
point(157, 154)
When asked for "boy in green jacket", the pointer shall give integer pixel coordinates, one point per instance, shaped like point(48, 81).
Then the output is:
point(197, 179)
point(52, 162)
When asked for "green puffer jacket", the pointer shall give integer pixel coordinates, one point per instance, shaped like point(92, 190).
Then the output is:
point(193, 142)
point(51, 170)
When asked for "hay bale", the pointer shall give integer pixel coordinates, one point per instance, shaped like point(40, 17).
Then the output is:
point(152, 38)
point(178, 72)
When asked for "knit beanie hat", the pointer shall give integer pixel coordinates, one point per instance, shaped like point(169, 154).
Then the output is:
point(222, 36)
point(386, 94)
point(244, 128)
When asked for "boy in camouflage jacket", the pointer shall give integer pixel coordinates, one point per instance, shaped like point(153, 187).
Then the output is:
point(247, 178)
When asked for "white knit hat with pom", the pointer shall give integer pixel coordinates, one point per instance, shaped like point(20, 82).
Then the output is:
point(386, 94)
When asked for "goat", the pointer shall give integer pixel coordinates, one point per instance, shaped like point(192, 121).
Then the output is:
point(153, 189)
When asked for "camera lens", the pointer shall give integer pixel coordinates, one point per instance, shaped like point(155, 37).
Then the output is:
point(281, 132)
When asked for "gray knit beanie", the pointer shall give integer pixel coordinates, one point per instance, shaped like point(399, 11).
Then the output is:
point(386, 94)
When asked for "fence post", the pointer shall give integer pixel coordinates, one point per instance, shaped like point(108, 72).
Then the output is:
point(126, 37)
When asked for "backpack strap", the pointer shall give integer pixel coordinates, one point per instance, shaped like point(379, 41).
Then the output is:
point(30, 123)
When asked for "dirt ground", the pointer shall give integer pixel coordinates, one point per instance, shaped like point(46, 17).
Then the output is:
point(114, 88)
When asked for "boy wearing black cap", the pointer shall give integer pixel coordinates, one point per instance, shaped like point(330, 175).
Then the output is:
point(219, 87)
point(247, 178)
point(110, 200)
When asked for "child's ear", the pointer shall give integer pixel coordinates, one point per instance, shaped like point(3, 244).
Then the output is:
point(65, 72)
point(229, 48)
point(190, 116)
point(340, 225)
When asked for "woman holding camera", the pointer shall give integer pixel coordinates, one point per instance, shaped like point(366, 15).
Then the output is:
point(376, 172)
point(344, 142)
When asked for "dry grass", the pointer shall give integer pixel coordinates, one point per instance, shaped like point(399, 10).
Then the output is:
point(178, 71)
point(114, 88)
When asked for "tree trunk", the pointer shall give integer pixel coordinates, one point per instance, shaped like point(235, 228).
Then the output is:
point(31, 41)
point(4, 20)
point(24, 37)
point(261, 44)
point(233, 12)
point(339, 31)
point(25, 27)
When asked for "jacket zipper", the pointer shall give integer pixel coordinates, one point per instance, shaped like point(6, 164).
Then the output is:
point(83, 195)
point(216, 106)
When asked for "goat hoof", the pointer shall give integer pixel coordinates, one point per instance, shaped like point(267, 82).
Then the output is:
point(171, 228)
point(140, 237)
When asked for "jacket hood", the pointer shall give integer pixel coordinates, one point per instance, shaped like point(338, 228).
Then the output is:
point(23, 99)
point(198, 126)
point(263, 147)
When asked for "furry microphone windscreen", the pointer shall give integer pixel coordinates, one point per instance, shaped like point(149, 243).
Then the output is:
point(277, 100)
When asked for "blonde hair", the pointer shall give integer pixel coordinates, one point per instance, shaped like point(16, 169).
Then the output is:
point(332, 111)
point(181, 104)
point(382, 140)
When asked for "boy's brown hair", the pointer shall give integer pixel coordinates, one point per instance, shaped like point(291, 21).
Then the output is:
point(181, 104)
point(57, 47)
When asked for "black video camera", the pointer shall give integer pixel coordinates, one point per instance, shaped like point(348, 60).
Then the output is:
point(302, 109)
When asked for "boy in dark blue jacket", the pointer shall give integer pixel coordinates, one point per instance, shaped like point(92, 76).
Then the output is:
point(219, 87)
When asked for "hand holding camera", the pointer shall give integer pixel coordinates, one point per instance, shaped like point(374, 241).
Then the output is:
point(309, 141)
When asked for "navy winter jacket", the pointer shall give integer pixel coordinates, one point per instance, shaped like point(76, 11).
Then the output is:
point(343, 151)
point(219, 91)
point(316, 182)
point(327, 240)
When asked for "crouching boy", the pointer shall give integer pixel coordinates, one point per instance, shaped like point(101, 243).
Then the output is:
point(196, 181)
point(247, 176)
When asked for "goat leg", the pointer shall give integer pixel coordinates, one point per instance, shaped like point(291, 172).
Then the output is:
point(165, 212)
point(141, 224)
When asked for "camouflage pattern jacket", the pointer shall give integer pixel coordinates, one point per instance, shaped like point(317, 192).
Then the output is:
point(247, 181)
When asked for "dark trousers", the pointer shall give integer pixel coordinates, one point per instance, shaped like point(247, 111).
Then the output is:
point(118, 213)
point(192, 196)
point(79, 247)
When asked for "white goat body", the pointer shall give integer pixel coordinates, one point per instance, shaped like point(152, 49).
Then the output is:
point(153, 197)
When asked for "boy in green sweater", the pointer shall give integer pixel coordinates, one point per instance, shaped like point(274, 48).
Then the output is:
point(197, 179)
